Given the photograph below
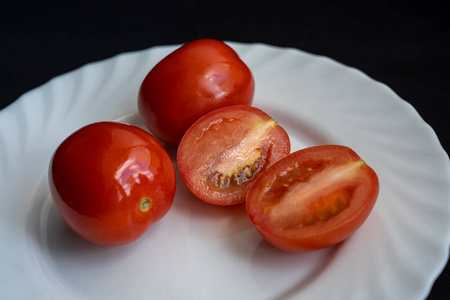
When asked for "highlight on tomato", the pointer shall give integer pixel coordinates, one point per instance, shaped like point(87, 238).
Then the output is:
point(195, 79)
point(313, 198)
point(224, 151)
point(111, 181)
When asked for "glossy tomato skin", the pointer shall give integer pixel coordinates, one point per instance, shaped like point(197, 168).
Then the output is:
point(224, 151)
point(195, 79)
point(313, 198)
point(111, 181)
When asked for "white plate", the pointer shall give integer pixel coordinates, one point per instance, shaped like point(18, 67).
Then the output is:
point(199, 251)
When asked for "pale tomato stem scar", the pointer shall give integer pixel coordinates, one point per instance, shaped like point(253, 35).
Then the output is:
point(145, 204)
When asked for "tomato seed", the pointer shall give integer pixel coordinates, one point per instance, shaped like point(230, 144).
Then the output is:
point(221, 180)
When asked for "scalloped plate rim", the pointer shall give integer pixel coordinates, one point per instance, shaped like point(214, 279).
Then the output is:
point(24, 100)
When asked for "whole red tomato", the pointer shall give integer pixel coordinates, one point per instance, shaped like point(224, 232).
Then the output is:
point(195, 79)
point(111, 181)
point(313, 198)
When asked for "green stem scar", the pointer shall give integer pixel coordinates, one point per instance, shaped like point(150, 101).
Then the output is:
point(146, 204)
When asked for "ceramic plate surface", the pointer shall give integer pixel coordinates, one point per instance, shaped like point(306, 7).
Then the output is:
point(199, 251)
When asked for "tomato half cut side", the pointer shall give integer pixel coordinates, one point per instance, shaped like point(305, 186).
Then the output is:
point(223, 152)
point(313, 198)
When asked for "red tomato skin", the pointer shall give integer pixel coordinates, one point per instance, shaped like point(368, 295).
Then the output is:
point(192, 157)
point(195, 79)
point(99, 175)
point(323, 233)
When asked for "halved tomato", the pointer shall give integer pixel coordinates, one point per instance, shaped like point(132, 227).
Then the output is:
point(312, 198)
point(223, 152)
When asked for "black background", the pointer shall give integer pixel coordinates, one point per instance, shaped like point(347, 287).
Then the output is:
point(404, 45)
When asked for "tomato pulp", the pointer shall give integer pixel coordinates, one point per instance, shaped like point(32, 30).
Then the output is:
point(195, 79)
point(223, 152)
point(312, 198)
point(111, 181)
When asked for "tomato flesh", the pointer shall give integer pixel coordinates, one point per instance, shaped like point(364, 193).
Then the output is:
point(111, 181)
point(195, 79)
point(226, 150)
point(313, 198)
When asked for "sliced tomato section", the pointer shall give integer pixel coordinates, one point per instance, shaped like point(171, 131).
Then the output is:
point(223, 152)
point(313, 198)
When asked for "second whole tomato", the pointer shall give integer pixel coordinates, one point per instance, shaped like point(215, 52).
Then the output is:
point(198, 77)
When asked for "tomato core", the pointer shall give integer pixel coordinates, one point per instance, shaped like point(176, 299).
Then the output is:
point(310, 193)
point(242, 161)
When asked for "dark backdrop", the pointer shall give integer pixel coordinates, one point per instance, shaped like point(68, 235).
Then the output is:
point(404, 45)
